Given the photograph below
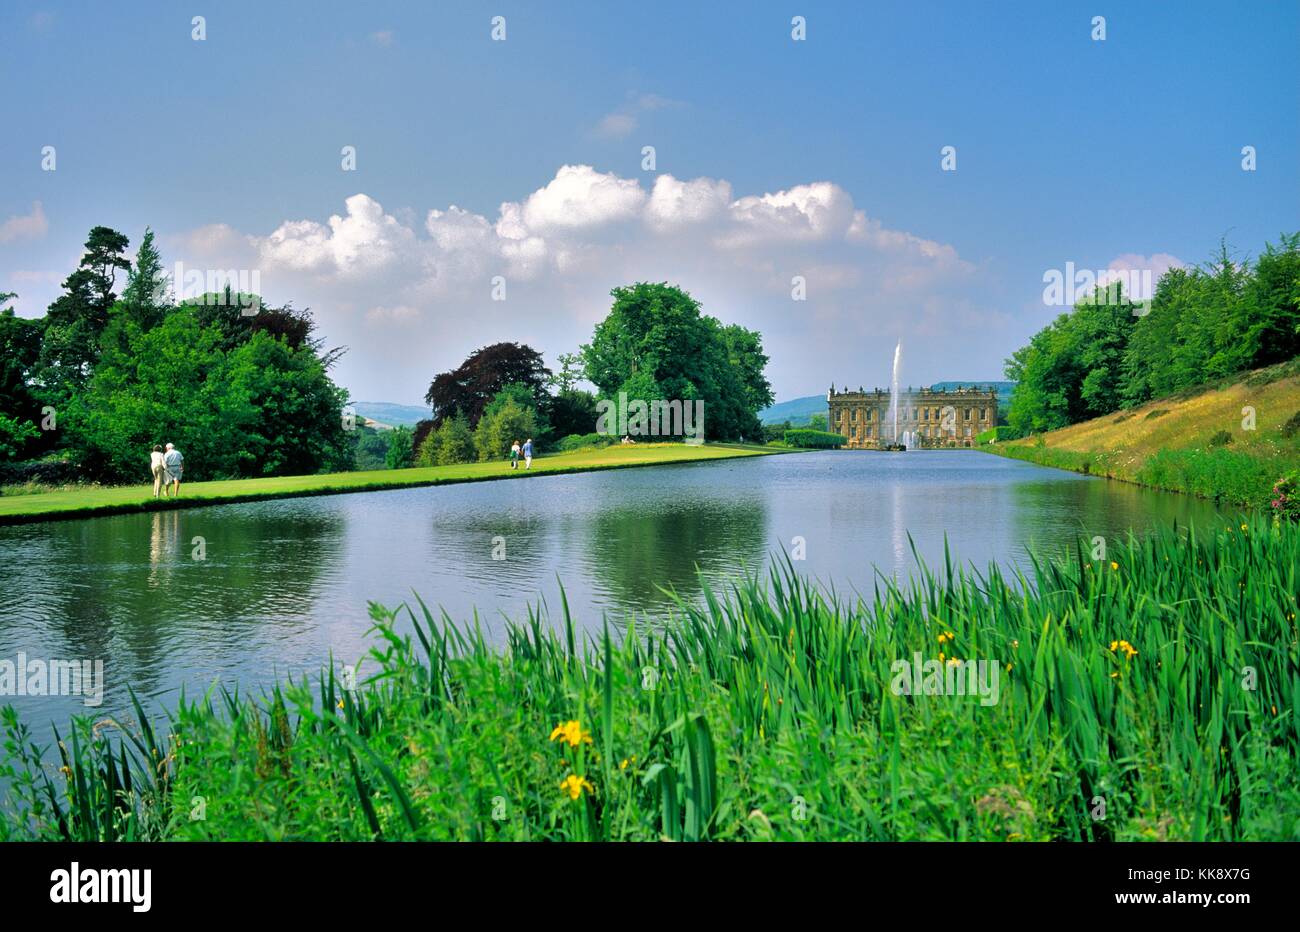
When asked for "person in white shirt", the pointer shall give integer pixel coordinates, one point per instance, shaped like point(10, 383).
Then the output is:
point(157, 467)
point(175, 463)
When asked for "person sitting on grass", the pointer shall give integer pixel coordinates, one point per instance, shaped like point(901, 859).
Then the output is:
point(158, 469)
point(175, 463)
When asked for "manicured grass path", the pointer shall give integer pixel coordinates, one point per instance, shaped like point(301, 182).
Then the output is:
point(89, 502)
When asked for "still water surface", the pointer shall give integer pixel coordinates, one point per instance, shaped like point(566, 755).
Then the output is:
point(286, 583)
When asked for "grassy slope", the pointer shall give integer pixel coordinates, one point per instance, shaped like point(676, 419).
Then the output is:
point(92, 500)
point(1166, 443)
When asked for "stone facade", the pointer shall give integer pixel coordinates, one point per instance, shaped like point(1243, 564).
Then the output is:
point(935, 418)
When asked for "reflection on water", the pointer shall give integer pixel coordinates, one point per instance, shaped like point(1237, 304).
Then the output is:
point(243, 592)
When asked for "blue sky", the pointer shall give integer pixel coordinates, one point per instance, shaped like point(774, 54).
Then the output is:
point(1118, 153)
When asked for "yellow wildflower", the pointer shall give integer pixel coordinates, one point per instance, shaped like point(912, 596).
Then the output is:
point(572, 732)
point(1128, 649)
point(1114, 565)
point(574, 785)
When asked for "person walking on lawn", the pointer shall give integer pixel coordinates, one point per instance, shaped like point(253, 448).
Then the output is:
point(158, 469)
point(175, 464)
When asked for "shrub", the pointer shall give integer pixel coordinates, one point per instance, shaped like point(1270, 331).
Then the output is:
point(581, 441)
point(14, 435)
point(1152, 415)
point(1292, 427)
point(500, 427)
point(50, 472)
point(400, 449)
point(452, 443)
point(1286, 497)
point(814, 439)
point(1221, 439)
point(998, 434)
point(426, 454)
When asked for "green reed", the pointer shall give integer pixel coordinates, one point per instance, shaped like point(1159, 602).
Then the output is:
point(1152, 694)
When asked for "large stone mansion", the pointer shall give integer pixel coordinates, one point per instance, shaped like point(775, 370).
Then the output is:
point(933, 418)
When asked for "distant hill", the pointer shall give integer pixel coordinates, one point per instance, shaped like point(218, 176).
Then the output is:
point(796, 411)
point(1002, 388)
point(391, 415)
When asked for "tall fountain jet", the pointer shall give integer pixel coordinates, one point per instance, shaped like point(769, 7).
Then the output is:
point(893, 394)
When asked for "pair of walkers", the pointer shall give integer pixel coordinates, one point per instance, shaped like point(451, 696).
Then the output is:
point(166, 468)
point(526, 449)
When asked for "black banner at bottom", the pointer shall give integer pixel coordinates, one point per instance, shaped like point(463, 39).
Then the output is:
point(333, 881)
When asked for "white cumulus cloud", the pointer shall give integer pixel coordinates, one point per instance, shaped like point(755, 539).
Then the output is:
point(580, 197)
point(676, 203)
point(363, 241)
point(816, 211)
point(411, 299)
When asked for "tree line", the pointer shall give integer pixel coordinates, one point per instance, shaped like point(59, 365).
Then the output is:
point(244, 389)
point(101, 378)
point(1201, 324)
point(655, 344)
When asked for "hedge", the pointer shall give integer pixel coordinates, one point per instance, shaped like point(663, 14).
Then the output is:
point(814, 439)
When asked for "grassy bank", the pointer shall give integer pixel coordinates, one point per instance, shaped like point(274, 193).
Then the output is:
point(1193, 442)
point(91, 501)
point(1154, 694)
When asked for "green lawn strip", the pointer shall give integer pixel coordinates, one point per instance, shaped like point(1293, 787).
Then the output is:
point(90, 502)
